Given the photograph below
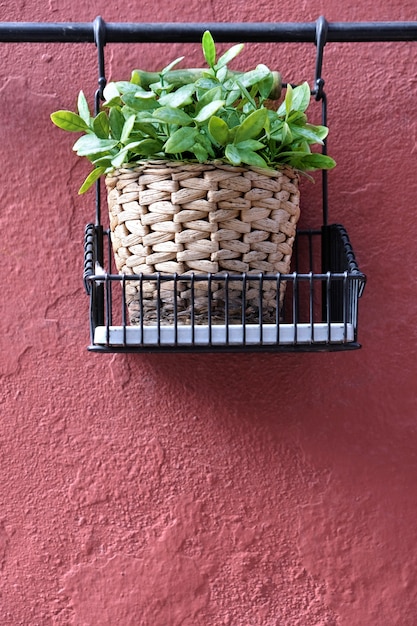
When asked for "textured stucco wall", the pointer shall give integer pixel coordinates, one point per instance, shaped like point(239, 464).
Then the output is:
point(206, 490)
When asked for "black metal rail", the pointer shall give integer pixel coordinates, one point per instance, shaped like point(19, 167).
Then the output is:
point(188, 32)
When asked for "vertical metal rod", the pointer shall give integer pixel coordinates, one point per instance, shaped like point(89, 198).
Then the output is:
point(295, 306)
point(209, 303)
point(322, 28)
point(244, 283)
point(261, 313)
point(124, 313)
point(324, 177)
point(99, 39)
point(278, 308)
point(328, 306)
point(192, 296)
point(226, 305)
point(345, 304)
point(141, 308)
point(108, 307)
point(175, 290)
point(99, 27)
point(158, 306)
point(311, 293)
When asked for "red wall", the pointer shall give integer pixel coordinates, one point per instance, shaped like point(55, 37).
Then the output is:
point(206, 490)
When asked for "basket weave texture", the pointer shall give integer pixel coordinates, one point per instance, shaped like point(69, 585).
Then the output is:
point(184, 218)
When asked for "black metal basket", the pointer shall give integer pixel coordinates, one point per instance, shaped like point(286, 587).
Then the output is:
point(320, 311)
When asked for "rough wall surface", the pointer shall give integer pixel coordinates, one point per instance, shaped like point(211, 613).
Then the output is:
point(206, 490)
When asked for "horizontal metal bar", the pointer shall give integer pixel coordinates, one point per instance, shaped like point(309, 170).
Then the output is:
point(188, 278)
point(169, 32)
point(313, 347)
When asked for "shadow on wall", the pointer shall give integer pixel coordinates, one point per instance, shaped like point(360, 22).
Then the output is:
point(266, 387)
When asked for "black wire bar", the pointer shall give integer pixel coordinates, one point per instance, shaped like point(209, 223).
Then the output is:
point(190, 32)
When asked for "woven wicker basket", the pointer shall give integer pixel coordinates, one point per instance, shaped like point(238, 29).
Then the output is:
point(179, 218)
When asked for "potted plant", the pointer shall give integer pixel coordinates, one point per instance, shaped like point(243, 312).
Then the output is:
point(202, 177)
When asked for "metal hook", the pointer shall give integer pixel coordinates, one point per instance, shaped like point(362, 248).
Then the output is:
point(322, 27)
point(99, 27)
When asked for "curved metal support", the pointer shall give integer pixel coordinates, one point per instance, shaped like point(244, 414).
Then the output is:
point(89, 245)
point(99, 27)
point(322, 28)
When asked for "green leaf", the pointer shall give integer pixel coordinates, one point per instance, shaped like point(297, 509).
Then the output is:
point(233, 120)
point(126, 86)
point(252, 158)
point(309, 133)
point(219, 130)
point(103, 161)
point(127, 128)
point(232, 154)
point(250, 144)
point(147, 147)
point(288, 99)
point(69, 121)
point(139, 104)
point(209, 110)
point(83, 109)
point(246, 94)
point(286, 134)
point(119, 159)
point(145, 127)
point(135, 77)
point(143, 94)
point(101, 125)
point(90, 144)
point(320, 131)
point(110, 93)
point(203, 139)
point(200, 152)
point(265, 85)
point(116, 121)
point(316, 161)
point(208, 96)
point(169, 67)
point(180, 141)
point(178, 98)
point(209, 48)
point(91, 179)
point(229, 55)
point(252, 126)
point(222, 73)
point(122, 155)
point(206, 83)
point(170, 115)
point(255, 76)
point(301, 97)
point(307, 160)
point(232, 96)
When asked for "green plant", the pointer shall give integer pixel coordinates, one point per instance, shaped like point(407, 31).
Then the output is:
point(202, 115)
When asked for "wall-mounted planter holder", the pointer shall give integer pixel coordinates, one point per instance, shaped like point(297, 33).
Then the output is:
point(319, 311)
point(310, 305)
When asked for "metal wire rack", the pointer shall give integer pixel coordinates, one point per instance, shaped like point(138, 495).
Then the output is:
point(320, 308)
